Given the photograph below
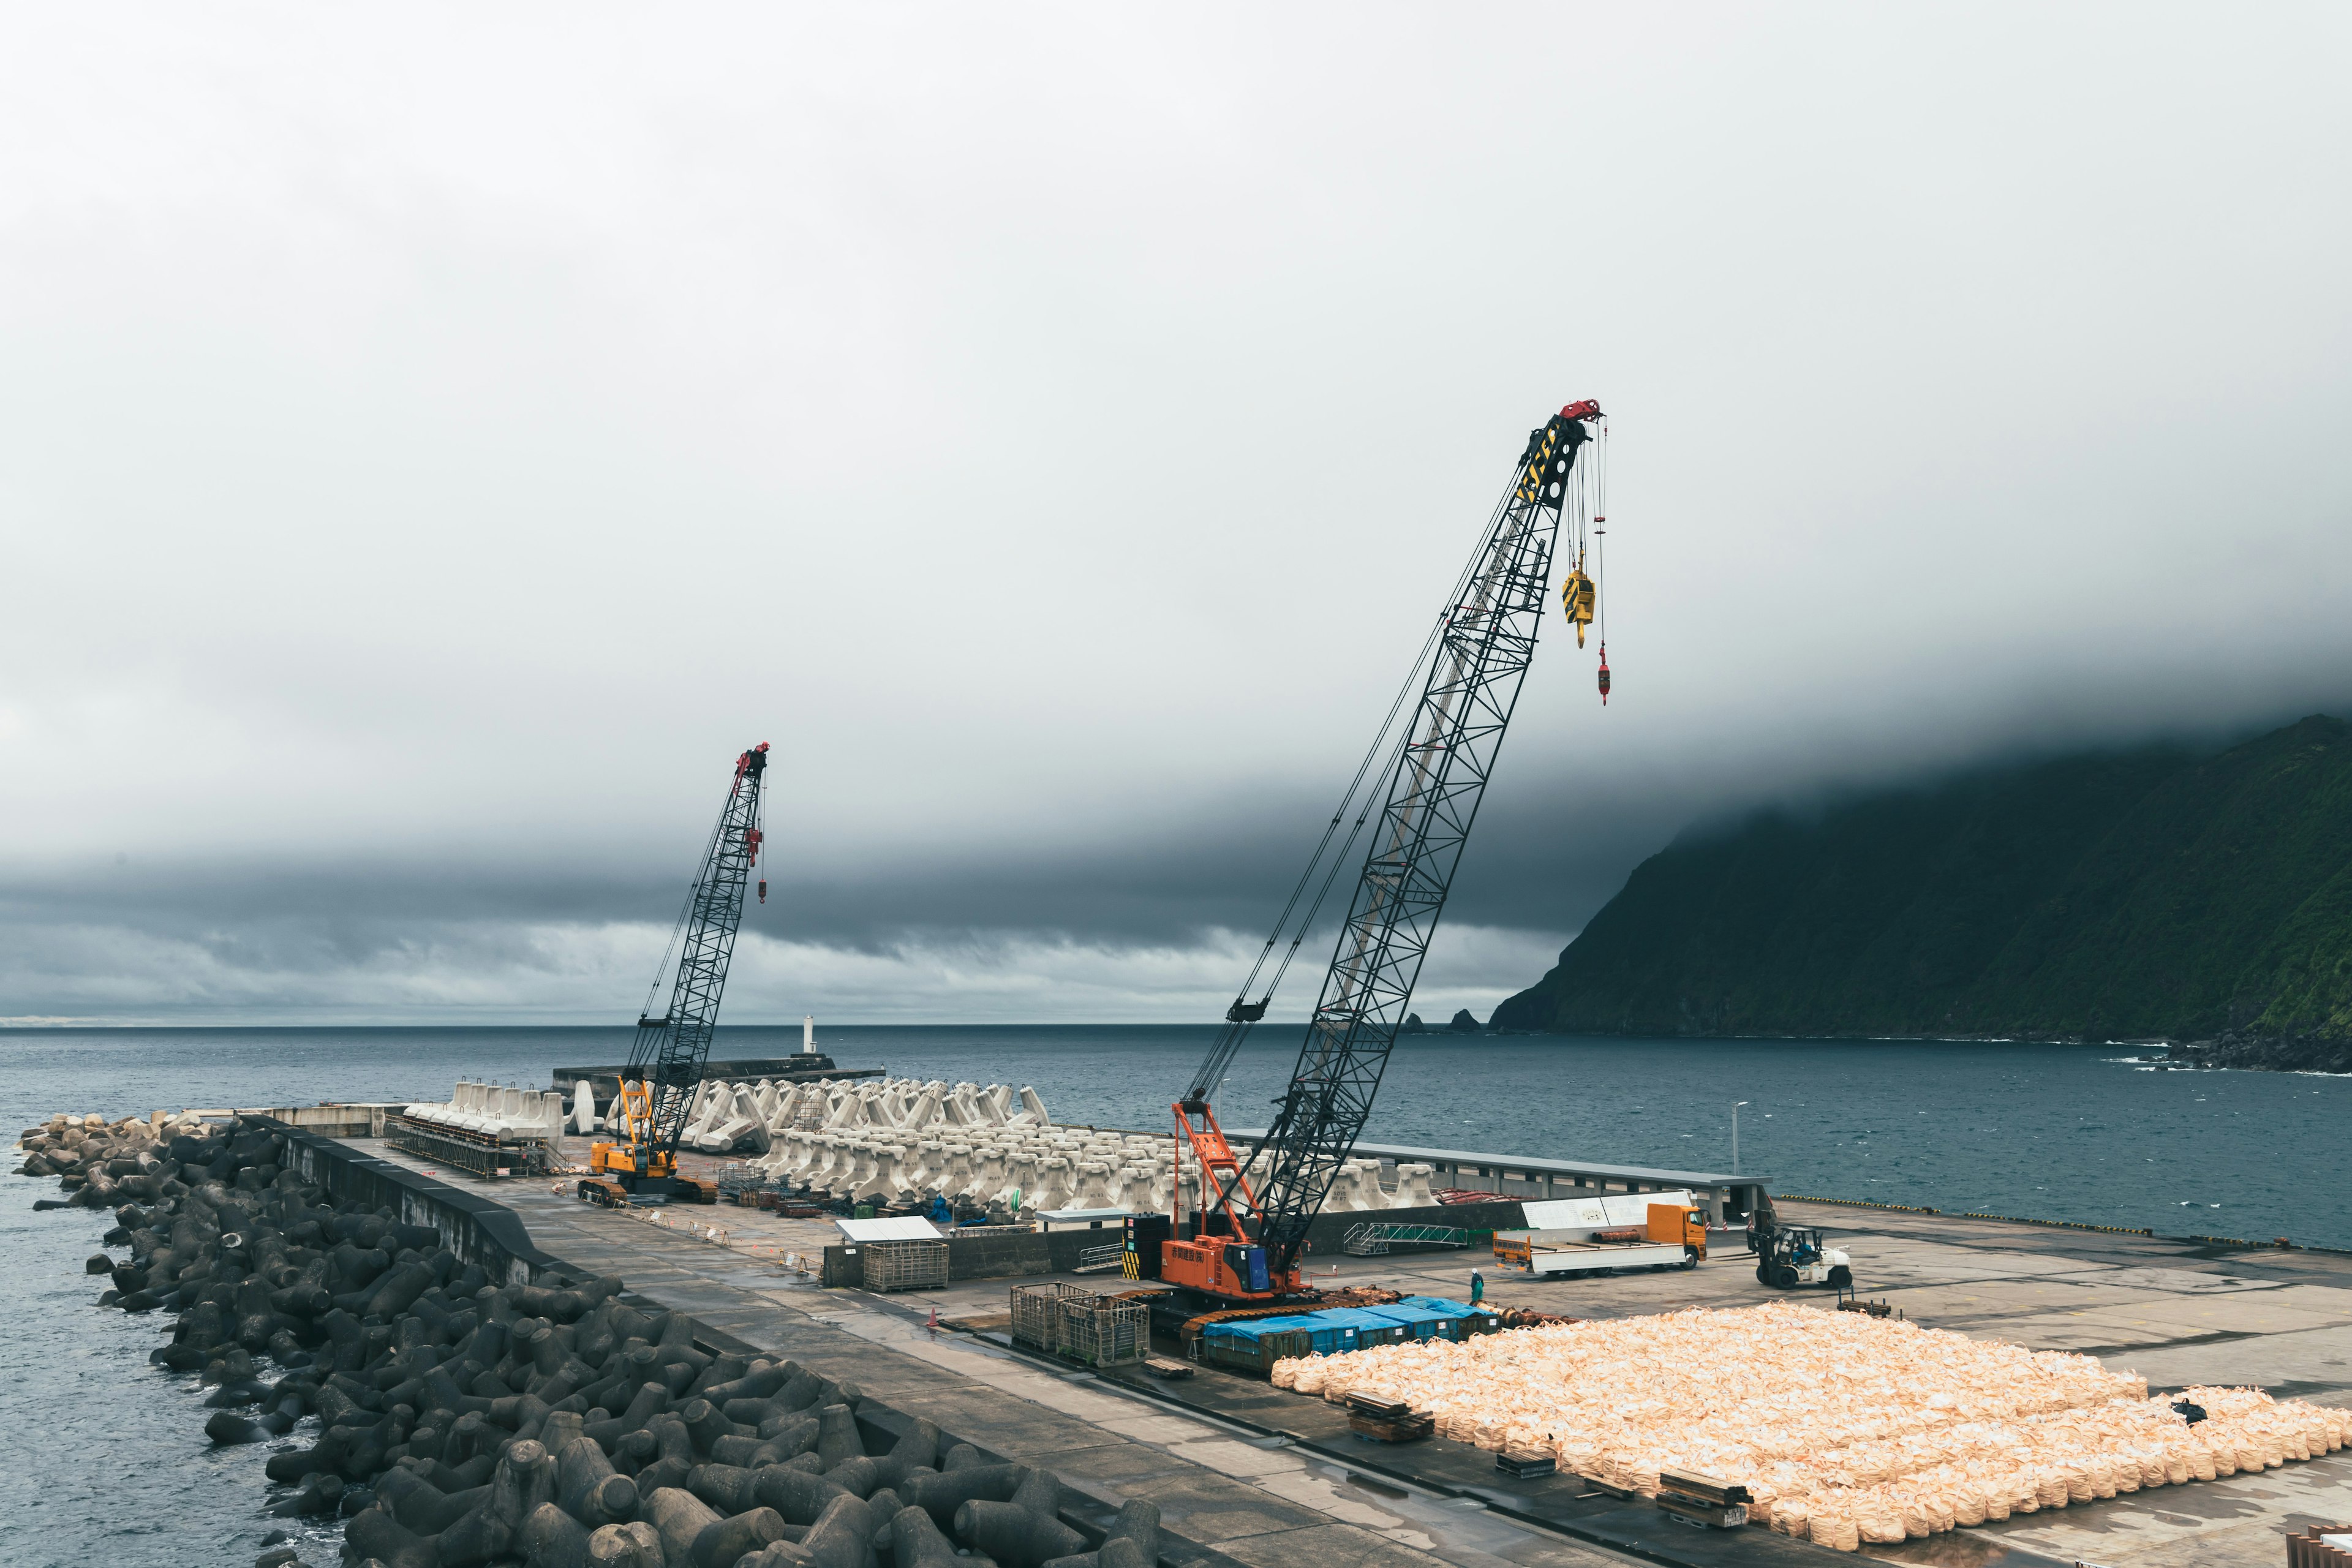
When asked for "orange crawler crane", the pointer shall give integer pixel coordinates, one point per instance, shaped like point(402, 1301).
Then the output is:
point(1237, 1238)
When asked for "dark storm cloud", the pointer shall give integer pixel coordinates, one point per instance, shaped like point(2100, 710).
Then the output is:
point(435, 443)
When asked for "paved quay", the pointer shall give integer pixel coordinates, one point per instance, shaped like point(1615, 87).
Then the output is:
point(1267, 1506)
point(1216, 1461)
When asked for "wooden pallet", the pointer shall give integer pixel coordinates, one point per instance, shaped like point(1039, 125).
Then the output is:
point(1386, 1421)
point(1714, 1516)
point(1697, 1498)
point(1412, 1429)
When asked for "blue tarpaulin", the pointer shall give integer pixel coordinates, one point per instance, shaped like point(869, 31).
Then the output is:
point(1371, 1328)
point(1424, 1323)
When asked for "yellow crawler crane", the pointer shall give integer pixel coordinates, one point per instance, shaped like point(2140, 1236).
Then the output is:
point(665, 1063)
point(619, 1167)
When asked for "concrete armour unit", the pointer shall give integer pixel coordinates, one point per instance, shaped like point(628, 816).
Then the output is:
point(988, 1186)
point(843, 1174)
point(889, 1183)
point(1053, 1183)
point(955, 1181)
point(1412, 1188)
point(939, 1160)
point(857, 1164)
point(833, 1166)
point(1020, 1176)
point(1358, 1188)
point(1131, 1188)
point(836, 1157)
point(793, 1157)
point(1093, 1185)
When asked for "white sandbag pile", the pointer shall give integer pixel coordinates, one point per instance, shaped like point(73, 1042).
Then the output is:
point(1845, 1428)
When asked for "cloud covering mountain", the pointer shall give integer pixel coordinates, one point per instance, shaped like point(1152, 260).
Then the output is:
point(435, 444)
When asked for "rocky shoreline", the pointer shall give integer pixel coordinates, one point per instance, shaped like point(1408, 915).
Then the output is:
point(459, 1424)
point(2266, 1053)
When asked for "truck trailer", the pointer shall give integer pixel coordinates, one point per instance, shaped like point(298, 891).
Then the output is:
point(1606, 1236)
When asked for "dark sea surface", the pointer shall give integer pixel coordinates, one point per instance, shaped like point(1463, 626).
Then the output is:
point(112, 1464)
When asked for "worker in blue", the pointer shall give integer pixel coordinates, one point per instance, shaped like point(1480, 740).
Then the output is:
point(1478, 1287)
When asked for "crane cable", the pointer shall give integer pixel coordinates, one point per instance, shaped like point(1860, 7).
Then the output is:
point(1600, 534)
point(685, 914)
point(1239, 1021)
point(1387, 753)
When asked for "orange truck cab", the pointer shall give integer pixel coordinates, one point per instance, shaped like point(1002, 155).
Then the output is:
point(1679, 1225)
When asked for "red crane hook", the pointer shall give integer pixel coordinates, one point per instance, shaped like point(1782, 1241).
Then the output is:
point(1604, 675)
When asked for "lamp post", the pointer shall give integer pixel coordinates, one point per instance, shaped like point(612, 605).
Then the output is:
point(1735, 1136)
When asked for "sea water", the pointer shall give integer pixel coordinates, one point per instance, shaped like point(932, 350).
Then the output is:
point(110, 1464)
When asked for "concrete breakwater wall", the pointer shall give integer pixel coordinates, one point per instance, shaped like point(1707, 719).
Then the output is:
point(478, 1402)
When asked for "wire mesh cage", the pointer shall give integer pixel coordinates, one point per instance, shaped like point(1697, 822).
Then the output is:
point(905, 1265)
point(1080, 1326)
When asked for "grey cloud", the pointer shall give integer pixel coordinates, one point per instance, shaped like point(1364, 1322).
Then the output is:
point(435, 442)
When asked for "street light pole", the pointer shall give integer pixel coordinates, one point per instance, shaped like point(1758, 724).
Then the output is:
point(1735, 1136)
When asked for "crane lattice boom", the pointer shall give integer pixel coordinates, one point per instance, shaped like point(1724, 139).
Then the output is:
point(1433, 786)
point(668, 1053)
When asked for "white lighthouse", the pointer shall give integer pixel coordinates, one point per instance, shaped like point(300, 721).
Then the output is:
point(808, 1034)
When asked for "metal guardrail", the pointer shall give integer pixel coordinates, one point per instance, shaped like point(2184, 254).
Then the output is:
point(1101, 1259)
point(1374, 1240)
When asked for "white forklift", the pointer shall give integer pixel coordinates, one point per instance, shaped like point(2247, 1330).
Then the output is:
point(1789, 1256)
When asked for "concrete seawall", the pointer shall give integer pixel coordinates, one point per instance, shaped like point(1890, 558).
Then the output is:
point(482, 1231)
point(476, 1229)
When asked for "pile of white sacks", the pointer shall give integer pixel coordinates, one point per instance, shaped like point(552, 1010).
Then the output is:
point(1844, 1429)
point(501, 1112)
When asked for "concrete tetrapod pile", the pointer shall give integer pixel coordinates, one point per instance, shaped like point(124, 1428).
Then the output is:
point(1844, 1427)
point(464, 1424)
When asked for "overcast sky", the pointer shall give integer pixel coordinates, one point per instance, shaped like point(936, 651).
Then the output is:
point(433, 441)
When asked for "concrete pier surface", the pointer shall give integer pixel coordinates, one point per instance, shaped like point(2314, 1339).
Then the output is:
point(1273, 1480)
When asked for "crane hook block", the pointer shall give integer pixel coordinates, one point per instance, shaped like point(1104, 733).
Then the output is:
point(1577, 595)
point(763, 889)
point(1604, 675)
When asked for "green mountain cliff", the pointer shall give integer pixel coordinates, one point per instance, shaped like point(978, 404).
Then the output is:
point(2166, 892)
